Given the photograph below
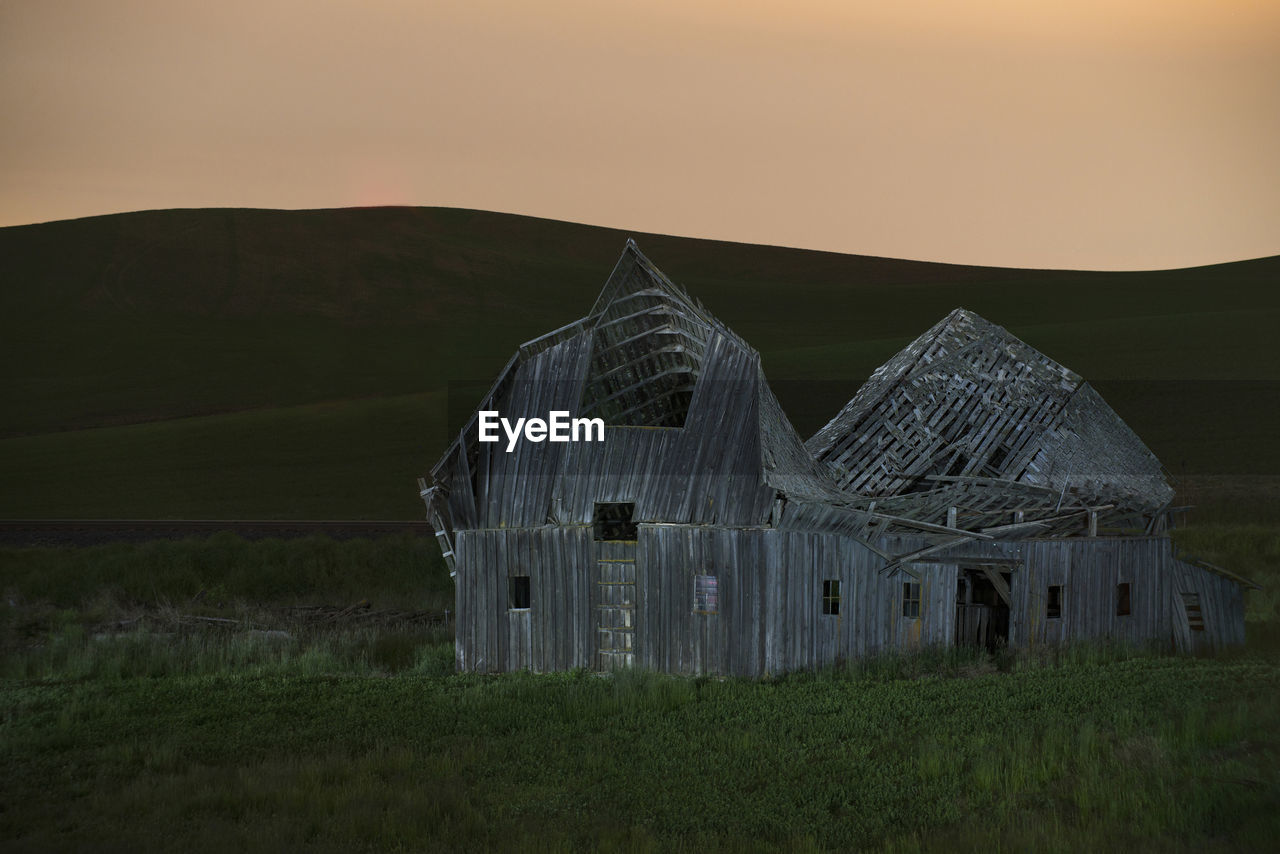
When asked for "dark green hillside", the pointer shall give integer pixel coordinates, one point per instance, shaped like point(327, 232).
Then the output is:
point(295, 363)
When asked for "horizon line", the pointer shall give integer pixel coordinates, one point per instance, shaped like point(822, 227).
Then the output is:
point(645, 232)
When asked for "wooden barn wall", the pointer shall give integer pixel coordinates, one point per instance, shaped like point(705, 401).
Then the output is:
point(1089, 571)
point(770, 585)
point(798, 635)
point(1221, 608)
point(706, 473)
point(557, 631)
point(670, 635)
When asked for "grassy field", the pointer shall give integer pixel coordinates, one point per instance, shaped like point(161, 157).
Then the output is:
point(297, 364)
point(221, 694)
point(347, 460)
point(402, 571)
point(1088, 754)
point(264, 732)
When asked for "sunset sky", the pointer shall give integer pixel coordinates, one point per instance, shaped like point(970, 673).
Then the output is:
point(1082, 133)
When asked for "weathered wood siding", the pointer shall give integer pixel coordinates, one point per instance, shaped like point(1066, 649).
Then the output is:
point(800, 636)
point(770, 618)
point(557, 632)
point(1089, 571)
point(708, 472)
point(1221, 606)
point(671, 636)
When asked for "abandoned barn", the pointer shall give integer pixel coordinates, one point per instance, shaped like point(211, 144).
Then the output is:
point(972, 492)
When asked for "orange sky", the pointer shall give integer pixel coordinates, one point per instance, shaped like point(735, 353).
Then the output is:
point(1087, 134)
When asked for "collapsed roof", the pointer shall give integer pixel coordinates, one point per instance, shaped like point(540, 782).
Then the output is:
point(967, 434)
point(968, 416)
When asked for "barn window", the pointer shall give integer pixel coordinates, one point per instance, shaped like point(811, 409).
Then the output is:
point(911, 598)
point(1053, 605)
point(613, 521)
point(831, 596)
point(518, 592)
point(1195, 617)
point(706, 595)
point(1122, 599)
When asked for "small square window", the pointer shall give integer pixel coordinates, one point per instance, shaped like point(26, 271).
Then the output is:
point(1122, 599)
point(911, 598)
point(518, 592)
point(1053, 605)
point(831, 596)
point(1195, 617)
point(706, 595)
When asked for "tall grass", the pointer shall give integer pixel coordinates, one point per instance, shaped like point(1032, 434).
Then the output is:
point(366, 739)
point(1152, 753)
point(71, 653)
point(404, 570)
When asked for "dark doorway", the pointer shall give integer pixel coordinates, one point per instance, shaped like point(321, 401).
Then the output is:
point(982, 606)
point(614, 521)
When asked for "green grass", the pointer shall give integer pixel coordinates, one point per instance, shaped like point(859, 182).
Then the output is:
point(348, 460)
point(230, 363)
point(70, 653)
point(363, 738)
point(295, 365)
point(1152, 753)
point(402, 571)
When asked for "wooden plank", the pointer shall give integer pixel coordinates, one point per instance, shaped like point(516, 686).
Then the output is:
point(998, 582)
point(928, 526)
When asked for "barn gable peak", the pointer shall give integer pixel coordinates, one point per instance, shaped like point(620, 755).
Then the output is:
point(648, 343)
point(634, 274)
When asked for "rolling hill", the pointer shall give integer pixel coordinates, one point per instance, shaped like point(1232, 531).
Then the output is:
point(309, 364)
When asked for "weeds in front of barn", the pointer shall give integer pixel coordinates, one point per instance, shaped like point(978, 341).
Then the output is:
point(323, 750)
point(261, 728)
